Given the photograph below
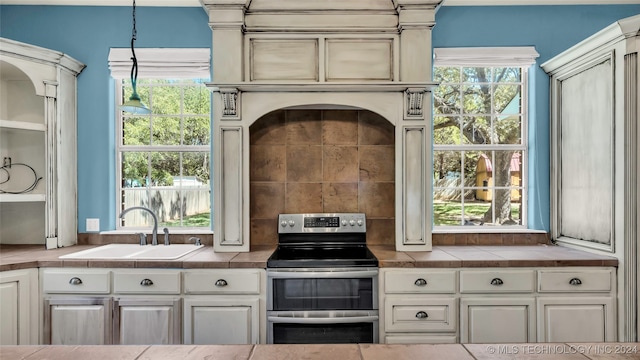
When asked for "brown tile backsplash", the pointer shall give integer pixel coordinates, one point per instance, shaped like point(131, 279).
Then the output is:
point(324, 161)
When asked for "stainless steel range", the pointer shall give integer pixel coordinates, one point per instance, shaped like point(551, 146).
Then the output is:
point(322, 281)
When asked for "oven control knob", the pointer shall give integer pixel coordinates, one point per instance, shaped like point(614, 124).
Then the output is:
point(283, 223)
point(360, 222)
point(344, 223)
point(352, 222)
point(291, 223)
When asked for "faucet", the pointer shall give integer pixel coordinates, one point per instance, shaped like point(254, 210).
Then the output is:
point(154, 237)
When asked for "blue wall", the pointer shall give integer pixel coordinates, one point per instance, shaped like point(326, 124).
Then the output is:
point(87, 33)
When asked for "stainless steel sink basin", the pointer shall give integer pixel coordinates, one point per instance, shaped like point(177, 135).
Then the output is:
point(134, 251)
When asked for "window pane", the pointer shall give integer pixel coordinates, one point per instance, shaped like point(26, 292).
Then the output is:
point(136, 131)
point(167, 100)
point(136, 218)
point(164, 166)
point(196, 130)
point(196, 100)
point(446, 74)
point(475, 212)
point(135, 169)
point(446, 130)
point(506, 99)
point(507, 74)
point(476, 130)
point(447, 99)
point(507, 130)
point(195, 169)
point(166, 131)
point(476, 74)
point(476, 99)
point(447, 165)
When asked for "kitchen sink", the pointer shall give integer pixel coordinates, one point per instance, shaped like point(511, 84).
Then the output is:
point(134, 251)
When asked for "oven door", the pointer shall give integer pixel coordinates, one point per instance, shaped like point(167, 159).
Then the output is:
point(322, 327)
point(322, 289)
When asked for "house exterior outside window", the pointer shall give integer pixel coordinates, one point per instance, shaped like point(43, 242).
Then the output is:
point(480, 138)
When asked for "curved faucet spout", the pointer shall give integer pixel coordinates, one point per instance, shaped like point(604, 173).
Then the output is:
point(154, 235)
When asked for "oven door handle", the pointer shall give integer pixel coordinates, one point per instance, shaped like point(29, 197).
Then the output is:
point(322, 320)
point(320, 275)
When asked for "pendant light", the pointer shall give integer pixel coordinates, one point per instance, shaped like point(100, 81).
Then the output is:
point(134, 105)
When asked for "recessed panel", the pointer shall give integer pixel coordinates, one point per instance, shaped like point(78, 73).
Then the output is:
point(359, 59)
point(284, 59)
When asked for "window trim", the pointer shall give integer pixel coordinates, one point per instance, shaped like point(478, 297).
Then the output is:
point(522, 57)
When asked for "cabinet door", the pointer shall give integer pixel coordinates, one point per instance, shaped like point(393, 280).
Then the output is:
point(145, 321)
point(576, 319)
point(226, 320)
point(19, 310)
point(77, 321)
point(497, 320)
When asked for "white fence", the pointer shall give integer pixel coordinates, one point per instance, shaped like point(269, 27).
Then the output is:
point(166, 203)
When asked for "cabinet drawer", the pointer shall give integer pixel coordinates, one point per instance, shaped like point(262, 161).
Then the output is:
point(85, 281)
point(407, 314)
point(420, 282)
point(497, 281)
point(146, 282)
point(584, 280)
point(222, 282)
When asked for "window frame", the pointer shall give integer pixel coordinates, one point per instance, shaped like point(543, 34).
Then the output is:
point(522, 57)
point(192, 63)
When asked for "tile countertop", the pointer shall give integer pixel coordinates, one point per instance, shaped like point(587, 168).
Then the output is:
point(13, 257)
point(531, 351)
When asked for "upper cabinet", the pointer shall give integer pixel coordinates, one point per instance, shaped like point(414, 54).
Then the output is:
point(37, 145)
point(595, 157)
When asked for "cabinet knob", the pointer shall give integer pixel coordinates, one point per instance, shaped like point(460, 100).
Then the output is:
point(575, 281)
point(421, 315)
point(221, 282)
point(497, 281)
point(75, 281)
point(146, 282)
point(420, 282)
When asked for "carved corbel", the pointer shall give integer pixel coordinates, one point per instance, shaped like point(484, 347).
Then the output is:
point(414, 104)
point(230, 104)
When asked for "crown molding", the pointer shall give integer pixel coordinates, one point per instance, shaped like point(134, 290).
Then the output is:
point(197, 3)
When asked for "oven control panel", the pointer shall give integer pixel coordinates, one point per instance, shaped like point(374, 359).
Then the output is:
point(321, 223)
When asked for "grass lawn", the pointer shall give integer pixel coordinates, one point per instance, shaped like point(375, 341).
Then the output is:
point(198, 220)
point(450, 213)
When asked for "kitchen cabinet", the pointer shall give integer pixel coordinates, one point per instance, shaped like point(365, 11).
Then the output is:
point(38, 129)
point(111, 306)
point(19, 310)
point(418, 306)
point(498, 305)
point(224, 306)
point(580, 305)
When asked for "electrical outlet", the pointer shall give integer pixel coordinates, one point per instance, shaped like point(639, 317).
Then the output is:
point(93, 225)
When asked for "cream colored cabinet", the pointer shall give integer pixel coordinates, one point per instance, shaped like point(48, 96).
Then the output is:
point(77, 306)
point(580, 306)
point(147, 306)
point(418, 306)
point(19, 310)
point(497, 320)
point(224, 306)
point(38, 145)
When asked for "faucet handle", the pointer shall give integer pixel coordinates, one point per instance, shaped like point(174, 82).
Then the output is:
point(166, 236)
point(196, 240)
point(143, 238)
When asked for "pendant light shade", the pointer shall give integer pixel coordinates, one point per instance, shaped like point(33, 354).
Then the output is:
point(134, 105)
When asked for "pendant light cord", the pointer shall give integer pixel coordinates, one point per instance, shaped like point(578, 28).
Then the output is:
point(134, 33)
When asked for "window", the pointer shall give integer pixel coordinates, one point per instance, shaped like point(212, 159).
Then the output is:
point(479, 137)
point(163, 159)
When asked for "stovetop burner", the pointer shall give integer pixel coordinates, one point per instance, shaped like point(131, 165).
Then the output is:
point(322, 241)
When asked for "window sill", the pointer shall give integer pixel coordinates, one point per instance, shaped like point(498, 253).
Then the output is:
point(484, 230)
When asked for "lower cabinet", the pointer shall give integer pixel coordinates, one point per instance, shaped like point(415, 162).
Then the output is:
point(140, 321)
point(497, 320)
point(498, 305)
point(77, 320)
point(19, 310)
point(222, 320)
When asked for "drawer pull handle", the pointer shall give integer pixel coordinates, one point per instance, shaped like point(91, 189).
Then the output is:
point(497, 281)
point(221, 282)
point(421, 315)
point(146, 282)
point(575, 281)
point(421, 282)
point(75, 281)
